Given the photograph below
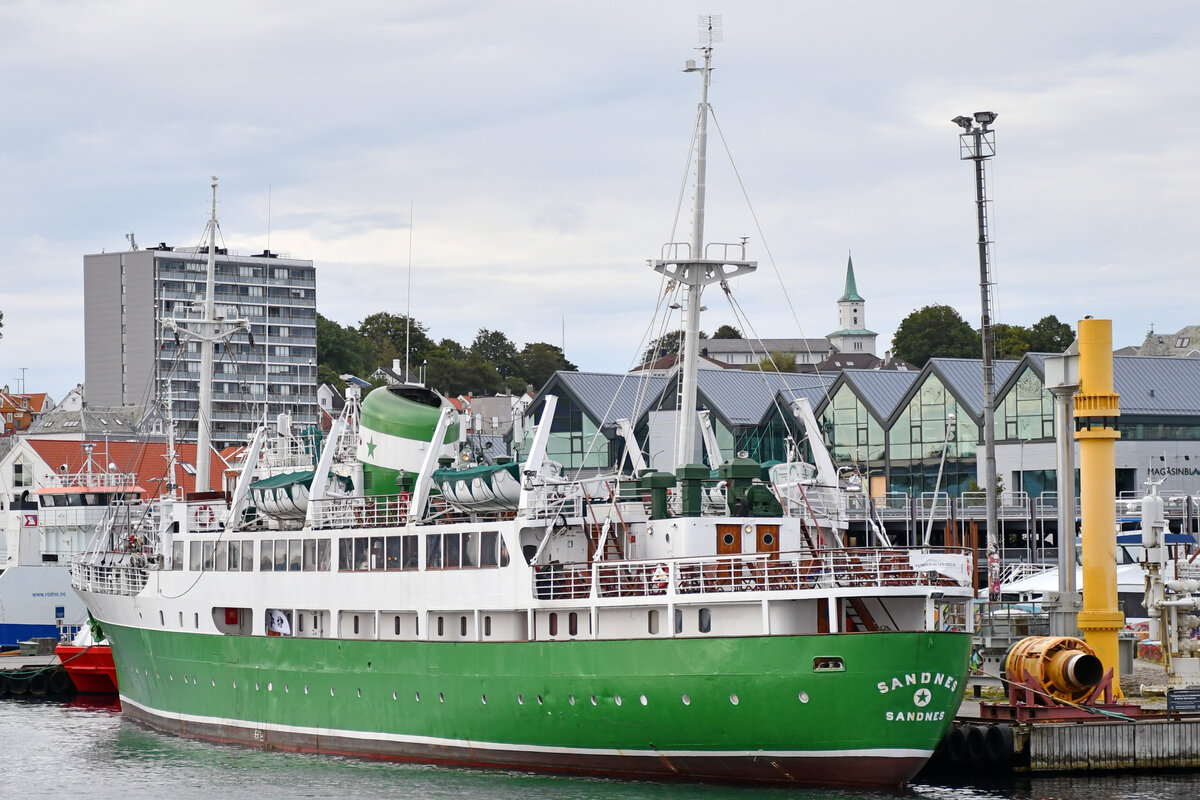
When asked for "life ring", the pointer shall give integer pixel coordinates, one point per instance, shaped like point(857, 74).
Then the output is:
point(204, 516)
point(661, 577)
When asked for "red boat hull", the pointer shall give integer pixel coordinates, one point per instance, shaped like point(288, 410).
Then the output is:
point(91, 668)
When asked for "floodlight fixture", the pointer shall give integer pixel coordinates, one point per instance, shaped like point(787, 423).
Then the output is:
point(985, 118)
point(963, 122)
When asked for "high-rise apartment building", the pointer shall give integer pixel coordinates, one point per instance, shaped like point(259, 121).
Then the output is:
point(132, 359)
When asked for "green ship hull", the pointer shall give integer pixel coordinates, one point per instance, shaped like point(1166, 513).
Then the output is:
point(849, 709)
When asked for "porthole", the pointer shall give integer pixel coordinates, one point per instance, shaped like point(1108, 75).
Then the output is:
point(768, 539)
point(687, 701)
point(441, 697)
point(727, 540)
point(540, 701)
point(359, 692)
point(235, 684)
point(520, 700)
point(394, 696)
point(270, 686)
point(306, 688)
point(332, 692)
point(643, 700)
point(593, 699)
point(287, 688)
point(214, 682)
point(803, 697)
point(733, 699)
point(483, 697)
point(571, 699)
point(256, 686)
point(417, 696)
point(171, 676)
point(617, 699)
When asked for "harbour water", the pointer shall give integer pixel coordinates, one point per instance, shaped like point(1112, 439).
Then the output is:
point(85, 746)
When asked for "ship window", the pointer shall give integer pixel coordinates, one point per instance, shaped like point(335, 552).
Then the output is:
point(361, 546)
point(209, 547)
point(345, 554)
point(487, 626)
point(409, 551)
point(450, 551)
point(177, 555)
point(196, 620)
point(281, 555)
point(487, 549)
point(503, 554)
point(828, 664)
point(221, 557)
point(433, 551)
point(377, 561)
point(470, 549)
point(441, 627)
point(573, 624)
point(393, 552)
point(679, 620)
point(161, 620)
point(310, 555)
point(553, 624)
point(652, 622)
point(396, 619)
point(462, 626)
point(323, 555)
point(234, 559)
point(247, 555)
point(265, 559)
point(356, 624)
point(704, 620)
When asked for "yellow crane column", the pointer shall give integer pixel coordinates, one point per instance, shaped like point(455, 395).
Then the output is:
point(1096, 412)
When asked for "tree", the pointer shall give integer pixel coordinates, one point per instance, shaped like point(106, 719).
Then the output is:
point(670, 342)
point(539, 360)
point(1012, 341)
point(778, 362)
point(935, 330)
point(386, 335)
point(497, 348)
point(1049, 335)
point(340, 351)
point(727, 332)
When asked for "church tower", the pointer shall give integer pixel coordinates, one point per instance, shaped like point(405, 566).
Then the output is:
point(852, 335)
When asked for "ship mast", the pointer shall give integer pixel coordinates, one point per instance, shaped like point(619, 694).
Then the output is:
point(687, 263)
point(209, 332)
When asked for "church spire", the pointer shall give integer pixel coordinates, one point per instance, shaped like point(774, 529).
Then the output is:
point(851, 294)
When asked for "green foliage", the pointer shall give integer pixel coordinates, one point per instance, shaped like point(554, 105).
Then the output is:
point(491, 364)
point(727, 332)
point(935, 331)
point(670, 342)
point(778, 362)
point(1049, 335)
point(1012, 341)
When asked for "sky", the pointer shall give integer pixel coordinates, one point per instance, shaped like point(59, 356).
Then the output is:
point(512, 166)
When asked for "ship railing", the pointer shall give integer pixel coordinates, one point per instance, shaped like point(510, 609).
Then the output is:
point(755, 572)
point(375, 511)
point(893, 505)
point(115, 578)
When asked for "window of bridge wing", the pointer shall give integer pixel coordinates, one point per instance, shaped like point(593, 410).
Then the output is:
point(345, 554)
point(310, 555)
point(234, 558)
point(176, 555)
point(266, 559)
point(209, 549)
point(488, 556)
point(295, 555)
point(362, 546)
point(194, 562)
point(450, 550)
point(221, 556)
point(323, 548)
point(377, 560)
point(408, 549)
point(392, 552)
point(470, 549)
point(281, 555)
point(433, 551)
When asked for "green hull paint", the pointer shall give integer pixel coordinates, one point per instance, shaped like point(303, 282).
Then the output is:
point(898, 691)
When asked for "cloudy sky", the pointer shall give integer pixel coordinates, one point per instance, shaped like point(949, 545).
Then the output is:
point(541, 148)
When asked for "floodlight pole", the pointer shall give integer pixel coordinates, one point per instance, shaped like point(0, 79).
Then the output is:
point(978, 144)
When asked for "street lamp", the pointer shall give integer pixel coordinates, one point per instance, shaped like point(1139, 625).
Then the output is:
point(978, 144)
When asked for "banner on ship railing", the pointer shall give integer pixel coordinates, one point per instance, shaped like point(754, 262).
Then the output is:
point(277, 623)
point(952, 566)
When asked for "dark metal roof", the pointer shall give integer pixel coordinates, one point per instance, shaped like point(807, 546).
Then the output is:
point(880, 390)
point(1157, 385)
point(744, 397)
point(964, 378)
point(606, 397)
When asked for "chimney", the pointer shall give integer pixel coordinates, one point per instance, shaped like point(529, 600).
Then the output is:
point(396, 366)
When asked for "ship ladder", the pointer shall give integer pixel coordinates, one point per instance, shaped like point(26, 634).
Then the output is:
point(858, 618)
